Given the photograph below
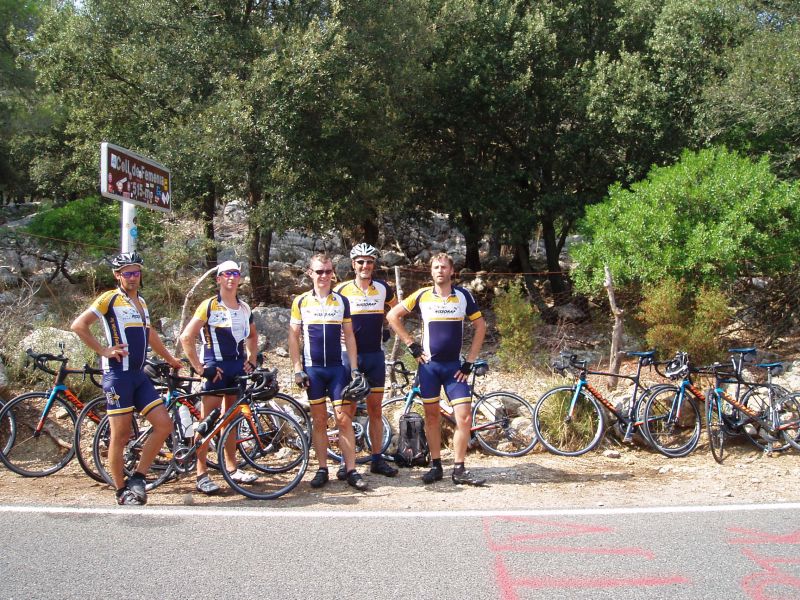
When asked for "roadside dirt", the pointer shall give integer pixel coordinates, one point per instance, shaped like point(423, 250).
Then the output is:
point(638, 477)
point(613, 476)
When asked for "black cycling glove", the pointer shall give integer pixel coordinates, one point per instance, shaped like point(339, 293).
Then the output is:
point(301, 379)
point(466, 367)
point(415, 349)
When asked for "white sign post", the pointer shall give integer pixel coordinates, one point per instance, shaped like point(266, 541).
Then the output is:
point(133, 180)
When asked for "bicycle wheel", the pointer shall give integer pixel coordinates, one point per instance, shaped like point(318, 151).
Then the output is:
point(361, 435)
point(277, 453)
point(8, 430)
point(291, 406)
point(392, 409)
point(715, 427)
point(565, 429)
point(672, 422)
point(789, 417)
point(85, 428)
point(757, 399)
point(160, 469)
point(502, 422)
point(41, 440)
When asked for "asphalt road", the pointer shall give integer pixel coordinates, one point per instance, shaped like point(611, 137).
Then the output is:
point(723, 552)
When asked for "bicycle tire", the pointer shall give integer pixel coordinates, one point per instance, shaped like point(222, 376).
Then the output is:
point(502, 423)
point(293, 407)
point(757, 399)
point(85, 428)
point(561, 433)
point(279, 460)
point(38, 454)
point(8, 430)
point(789, 417)
point(716, 427)
point(672, 422)
point(162, 467)
point(361, 434)
point(392, 409)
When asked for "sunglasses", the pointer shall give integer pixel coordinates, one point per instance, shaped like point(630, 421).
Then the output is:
point(129, 274)
point(365, 262)
point(230, 274)
point(323, 271)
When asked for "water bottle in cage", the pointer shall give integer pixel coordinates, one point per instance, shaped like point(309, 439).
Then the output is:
point(187, 425)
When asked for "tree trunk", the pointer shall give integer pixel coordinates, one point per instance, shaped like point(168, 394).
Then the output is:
point(522, 258)
point(209, 210)
point(552, 251)
point(472, 238)
point(260, 240)
point(616, 334)
point(260, 243)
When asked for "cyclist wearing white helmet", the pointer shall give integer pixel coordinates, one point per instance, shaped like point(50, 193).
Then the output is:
point(126, 322)
point(369, 300)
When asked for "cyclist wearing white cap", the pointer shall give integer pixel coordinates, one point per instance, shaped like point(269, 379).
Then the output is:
point(230, 343)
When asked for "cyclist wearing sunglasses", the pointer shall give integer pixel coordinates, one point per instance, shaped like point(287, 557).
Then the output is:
point(126, 323)
point(225, 325)
point(443, 307)
point(369, 300)
point(320, 319)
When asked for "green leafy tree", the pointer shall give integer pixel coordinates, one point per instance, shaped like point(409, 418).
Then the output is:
point(705, 219)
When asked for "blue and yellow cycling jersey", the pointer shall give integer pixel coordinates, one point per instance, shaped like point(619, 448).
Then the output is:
point(321, 319)
point(443, 320)
point(224, 329)
point(367, 309)
point(123, 324)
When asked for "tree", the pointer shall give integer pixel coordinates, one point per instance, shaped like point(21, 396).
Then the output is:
point(754, 104)
point(707, 219)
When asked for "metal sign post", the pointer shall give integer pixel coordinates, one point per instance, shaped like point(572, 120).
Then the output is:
point(133, 180)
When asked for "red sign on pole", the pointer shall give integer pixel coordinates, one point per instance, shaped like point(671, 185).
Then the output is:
point(127, 176)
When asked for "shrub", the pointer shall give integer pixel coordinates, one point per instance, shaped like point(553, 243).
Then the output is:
point(516, 323)
point(679, 318)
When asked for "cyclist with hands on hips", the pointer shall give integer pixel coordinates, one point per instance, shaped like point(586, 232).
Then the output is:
point(126, 323)
point(320, 318)
point(369, 300)
point(443, 308)
point(230, 344)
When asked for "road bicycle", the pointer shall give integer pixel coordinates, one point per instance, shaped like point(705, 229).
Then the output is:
point(37, 435)
point(269, 443)
point(672, 419)
point(767, 414)
point(570, 421)
point(502, 421)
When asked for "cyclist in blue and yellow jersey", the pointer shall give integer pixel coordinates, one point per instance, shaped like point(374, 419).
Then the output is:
point(320, 319)
point(369, 300)
point(443, 308)
point(230, 344)
point(126, 323)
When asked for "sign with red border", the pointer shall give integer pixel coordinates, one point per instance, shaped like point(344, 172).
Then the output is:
point(130, 177)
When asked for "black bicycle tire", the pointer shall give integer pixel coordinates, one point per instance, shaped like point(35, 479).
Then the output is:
point(154, 476)
point(7, 432)
point(15, 407)
point(484, 440)
point(552, 439)
point(85, 435)
point(690, 415)
point(715, 427)
point(298, 412)
point(288, 426)
point(363, 444)
point(752, 433)
point(791, 406)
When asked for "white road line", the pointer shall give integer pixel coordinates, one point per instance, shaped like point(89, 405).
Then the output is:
point(271, 513)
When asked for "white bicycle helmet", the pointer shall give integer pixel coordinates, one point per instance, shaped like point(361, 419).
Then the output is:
point(125, 259)
point(364, 249)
